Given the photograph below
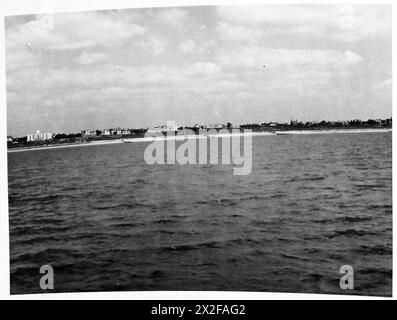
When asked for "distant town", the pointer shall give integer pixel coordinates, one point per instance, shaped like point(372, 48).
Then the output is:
point(85, 136)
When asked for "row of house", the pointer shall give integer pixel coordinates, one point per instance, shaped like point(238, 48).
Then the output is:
point(170, 126)
point(105, 132)
point(39, 136)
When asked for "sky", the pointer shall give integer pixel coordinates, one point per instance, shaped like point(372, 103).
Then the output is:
point(134, 68)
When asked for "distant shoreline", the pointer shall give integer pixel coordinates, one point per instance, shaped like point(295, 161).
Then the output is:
point(184, 137)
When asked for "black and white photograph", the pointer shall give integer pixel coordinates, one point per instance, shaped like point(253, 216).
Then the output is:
point(232, 148)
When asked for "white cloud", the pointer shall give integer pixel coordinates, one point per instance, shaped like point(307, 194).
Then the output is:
point(91, 58)
point(158, 46)
point(386, 84)
point(339, 22)
point(174, 17)
point(103, 76)
point(245, 95)
point(205, 68)
point(231, 32)
point(56, 102)
point(274, 14)
point(63, 31)
point(21, 59)
point(153, 45)
point(187, 46)
point(350, 58)
point(255, 57)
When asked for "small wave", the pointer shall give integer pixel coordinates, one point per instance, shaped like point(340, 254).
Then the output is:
point(225, 202)
point(343, 219)
point(290, 256)
point(122, 206)
point(47, 199)
point(374, 187)
point(380, 206)
point(197, 246)
point(44, 255)
point(284, 239)
point(206, 264)
point(350, 233)
point(277, 195)
point(106, 207)
point(24, 269)
point(316, 178)
point(40, 231)
point(376, 271)
point(35, 240)
point(243, 241)
point(379, 250)
point(157, 274)
point(162, 231)
point(353, 219)
point(164, 221)
point(127, 225)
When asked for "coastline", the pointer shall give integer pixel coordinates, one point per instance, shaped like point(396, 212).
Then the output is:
point(185, 137)
point(294, 132)
point(66, 145)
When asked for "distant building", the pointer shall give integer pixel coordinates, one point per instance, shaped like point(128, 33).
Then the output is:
point(185, 131)
point(294, 122)
point(214, 126)
point(171, 126)
point(9, 139)
point(88, 133)
point(106, 132)
point(157, 129)
point(38, 136)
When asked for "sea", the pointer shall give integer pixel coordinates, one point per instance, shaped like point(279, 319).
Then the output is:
point(105, 220)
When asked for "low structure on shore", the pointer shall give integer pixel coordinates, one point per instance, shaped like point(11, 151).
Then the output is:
point(39, 136)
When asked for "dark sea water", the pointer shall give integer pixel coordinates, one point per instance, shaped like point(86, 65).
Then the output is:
point(105, 220)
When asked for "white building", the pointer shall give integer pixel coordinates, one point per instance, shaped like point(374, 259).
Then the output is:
point(106, 132)
point(38, 136)
point(171, 126)
point(88, 133)
point(214, 126)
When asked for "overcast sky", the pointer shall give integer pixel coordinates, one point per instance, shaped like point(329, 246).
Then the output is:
point(142, 67)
